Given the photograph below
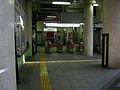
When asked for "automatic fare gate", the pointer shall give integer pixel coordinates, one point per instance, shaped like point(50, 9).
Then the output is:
point(105, 48)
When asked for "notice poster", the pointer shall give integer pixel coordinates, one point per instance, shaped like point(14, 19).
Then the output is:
point(19, 29)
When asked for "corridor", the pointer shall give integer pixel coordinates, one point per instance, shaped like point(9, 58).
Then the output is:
point(67, 71)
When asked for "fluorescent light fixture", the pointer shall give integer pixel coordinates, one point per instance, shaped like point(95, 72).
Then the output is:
point(61, 3)
point(74, 1)
point(51, 16)
point(62, 25)
point(81, 23)
point(95, 4)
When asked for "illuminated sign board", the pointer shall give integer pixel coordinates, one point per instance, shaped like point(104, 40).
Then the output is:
point(50, 29)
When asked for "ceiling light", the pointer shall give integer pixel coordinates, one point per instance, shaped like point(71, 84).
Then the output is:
point(93, 1)
point(95, 4)
point(51, 16)
point(61, 3)
point(62, 25)
point(74, 1)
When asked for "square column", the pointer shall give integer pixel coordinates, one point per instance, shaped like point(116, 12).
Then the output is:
point(88, 31)
point(111, 11)
point(29, 20)
point(7, 46)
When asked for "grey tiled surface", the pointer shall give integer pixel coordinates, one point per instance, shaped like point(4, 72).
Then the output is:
point(116, 84)
point(29, 78)
point(68, 71)
point(64, 56)
point(87, 75)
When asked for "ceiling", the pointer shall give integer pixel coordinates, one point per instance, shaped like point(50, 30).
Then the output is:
point(46, 5)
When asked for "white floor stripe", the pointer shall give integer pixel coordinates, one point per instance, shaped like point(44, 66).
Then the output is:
point(67, 61)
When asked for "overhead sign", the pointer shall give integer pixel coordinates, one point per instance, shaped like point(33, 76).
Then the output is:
point(50, 29)
point(98, 25)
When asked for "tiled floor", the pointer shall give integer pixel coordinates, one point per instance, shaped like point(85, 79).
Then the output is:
point(79, 75)
point(64, 56)
point(29, 77)
point(67, 71)
point(116, 84)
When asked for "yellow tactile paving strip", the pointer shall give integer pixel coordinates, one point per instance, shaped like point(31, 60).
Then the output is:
point(44, 77)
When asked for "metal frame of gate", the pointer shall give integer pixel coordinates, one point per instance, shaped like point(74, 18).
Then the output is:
point(105, 48)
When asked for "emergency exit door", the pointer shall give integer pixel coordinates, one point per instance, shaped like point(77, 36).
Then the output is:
point(105, 47)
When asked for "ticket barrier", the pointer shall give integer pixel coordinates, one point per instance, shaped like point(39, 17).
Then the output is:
point(81, 46)
point(60, 47)
point(71, 47)
point(48, 47)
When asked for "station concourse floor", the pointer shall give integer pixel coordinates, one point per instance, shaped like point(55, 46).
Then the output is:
point(65, 71)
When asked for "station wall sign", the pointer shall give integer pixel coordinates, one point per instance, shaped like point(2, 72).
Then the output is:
point(98, 25)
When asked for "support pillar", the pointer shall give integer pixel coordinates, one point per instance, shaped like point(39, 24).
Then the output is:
point(111, 11)
point(88, 32)
point(7, 46)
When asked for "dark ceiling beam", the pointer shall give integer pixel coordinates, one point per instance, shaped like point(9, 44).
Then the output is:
point(47, 5)
point(50, 9)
